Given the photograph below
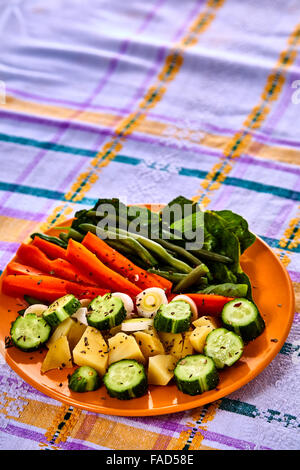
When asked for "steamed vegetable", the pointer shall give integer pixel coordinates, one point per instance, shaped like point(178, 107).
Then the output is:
point(120, 264)
point(175, 317)
point(149, 301)
point(61, 309)
point(243, 317)
point(97, 270)
point(196, 374)
point(84, 379)
point(92, 351)
point(126, 379)
point(105, 312)
point(30, 332)
point(227, 289)
point(224, 347)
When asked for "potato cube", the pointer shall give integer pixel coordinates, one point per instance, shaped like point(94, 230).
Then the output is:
point(187, 347)
point(198, 337)
point(75, 333)
point(58, 355)
point(161, 369)
point(122, 346)
point(206, 320)
point(91, 350)
point(173, 343)
point(62, 329)
point(149, 345)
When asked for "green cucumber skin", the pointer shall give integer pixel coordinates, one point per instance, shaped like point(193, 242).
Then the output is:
point(247, 332)
point(195, 387)
point(168, 326)
point(171, 325)
point(96, 319)
point(208, 350)
point(63, 312)
point(136, 391)
point(78, 382)
point(40, 340)
point(106, 323)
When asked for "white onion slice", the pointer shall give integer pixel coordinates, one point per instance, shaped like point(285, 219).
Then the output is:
point(80, 315)
point(38, 309)
point(192, 304)
point(136, 324)
point(127, 301)
point(149, 301)
point(85, 302)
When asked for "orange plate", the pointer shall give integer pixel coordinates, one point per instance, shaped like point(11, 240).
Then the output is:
point(274, 296)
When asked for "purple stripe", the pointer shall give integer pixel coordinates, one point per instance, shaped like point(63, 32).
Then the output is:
point(36, 436)
point(22, 214)
point(9, 246)
point(269, 139)
point(285, 101)
point(294, 275)
point(112, 66)
point(39, 437)
point(231, 441)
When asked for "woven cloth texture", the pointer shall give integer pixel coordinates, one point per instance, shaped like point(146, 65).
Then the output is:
point(145, 101)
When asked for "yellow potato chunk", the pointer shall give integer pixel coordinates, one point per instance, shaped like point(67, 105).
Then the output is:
point(122, 346)
point(161, 369)
point(206, 320)
point(187, 347)
point(58, 355)
point(149, 345)
point(91, 350)
point(62, 329)
point(173, 343)
point(198, 337)
point(75, 333)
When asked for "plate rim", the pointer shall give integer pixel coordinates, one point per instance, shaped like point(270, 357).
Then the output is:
point(166, 409)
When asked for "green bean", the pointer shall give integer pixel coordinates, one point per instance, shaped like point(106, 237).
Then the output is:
point(128, 241)
point(160, 252)
point(180, 251)
point(64, 236)
point(48, 238)
point(211, 256)
point(171, 276)
point(191, 279)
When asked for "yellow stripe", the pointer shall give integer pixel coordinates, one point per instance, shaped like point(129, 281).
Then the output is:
point(15, 230)
point(128, 124)
point(242, 139)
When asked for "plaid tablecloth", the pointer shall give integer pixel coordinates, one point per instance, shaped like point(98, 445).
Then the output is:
point(146, 101)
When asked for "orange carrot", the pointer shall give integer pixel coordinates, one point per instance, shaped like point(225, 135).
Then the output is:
point(50, 249)
point(31, 255)
point(45, 288)
point(88, 262)
point(18, 268)
point(209, 304)
point(119, 263)
point(85, 292)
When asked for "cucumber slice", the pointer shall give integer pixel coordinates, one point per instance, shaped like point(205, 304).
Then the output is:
point(242, 317)
point(61, 309)
point(195, 374)
point(175, 317)
point(105, 312)
point(30, 332)
point(224, 347)
point(136, 324)
point(126, 379)
point(84, 379)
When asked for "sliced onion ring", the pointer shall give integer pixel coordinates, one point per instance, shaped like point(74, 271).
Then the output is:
point(192, 304)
